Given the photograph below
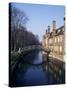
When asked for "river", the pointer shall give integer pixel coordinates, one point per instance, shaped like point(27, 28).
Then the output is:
point(36, 71)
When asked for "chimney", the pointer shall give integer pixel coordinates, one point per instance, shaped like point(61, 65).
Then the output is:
point(54, 26)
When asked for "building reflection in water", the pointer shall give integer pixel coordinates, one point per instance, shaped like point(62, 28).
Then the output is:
point(35, 70)
point(55, 70)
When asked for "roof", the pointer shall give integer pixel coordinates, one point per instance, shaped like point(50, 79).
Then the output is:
point(60, 28)
point(59, 31)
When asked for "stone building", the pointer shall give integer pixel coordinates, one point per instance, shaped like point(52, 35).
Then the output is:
point(54, 41)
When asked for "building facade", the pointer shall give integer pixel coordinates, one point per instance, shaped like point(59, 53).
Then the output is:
point(54, 40)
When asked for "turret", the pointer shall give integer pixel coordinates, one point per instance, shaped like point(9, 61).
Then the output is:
point(54, 27)
point(48, 29)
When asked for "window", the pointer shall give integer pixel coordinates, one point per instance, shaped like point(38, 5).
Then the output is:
point(61, 38)
point(58, 39)
point(60, 48)
point(57, 48)
point(50, 40)
point(55, 39)
point(46, 41)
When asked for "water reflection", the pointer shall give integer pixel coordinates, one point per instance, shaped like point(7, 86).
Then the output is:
point(31, 72)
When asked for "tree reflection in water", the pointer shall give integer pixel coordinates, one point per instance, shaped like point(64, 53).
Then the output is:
point(31, 72)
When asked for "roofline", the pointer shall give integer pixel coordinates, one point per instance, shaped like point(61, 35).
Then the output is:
point(60, 27)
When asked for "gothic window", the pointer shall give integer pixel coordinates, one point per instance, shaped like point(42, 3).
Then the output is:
point(58, 39)
point(55, 39)
point(50, 41)
point(46, 41)
point(60, 48)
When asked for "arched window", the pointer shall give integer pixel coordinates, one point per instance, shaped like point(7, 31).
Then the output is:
point(55, 39)
point(58, 39)
point(46, 41)
point(61, 38)
point(50, 40)
point(60, 49)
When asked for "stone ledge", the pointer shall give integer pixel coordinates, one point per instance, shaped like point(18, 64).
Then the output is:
point(59, 57)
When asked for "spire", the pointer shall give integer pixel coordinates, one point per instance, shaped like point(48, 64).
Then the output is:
point(48, 29)
point(54, 25)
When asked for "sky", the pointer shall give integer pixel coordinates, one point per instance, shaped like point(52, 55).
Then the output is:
point(41, 15)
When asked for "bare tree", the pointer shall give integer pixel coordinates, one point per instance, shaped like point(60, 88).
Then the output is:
point(20, 37)
point(18, 20)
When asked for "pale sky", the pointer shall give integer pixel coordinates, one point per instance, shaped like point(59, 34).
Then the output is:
point(41, 15)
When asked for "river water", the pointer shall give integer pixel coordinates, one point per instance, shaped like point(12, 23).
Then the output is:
point(34, 70)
